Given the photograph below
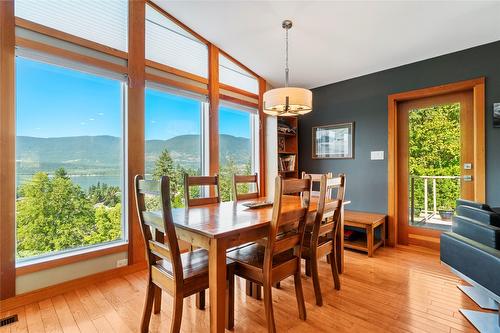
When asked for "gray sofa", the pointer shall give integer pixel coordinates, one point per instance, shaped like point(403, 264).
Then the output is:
point(472, 251)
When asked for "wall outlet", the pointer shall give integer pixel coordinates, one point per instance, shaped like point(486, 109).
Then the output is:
point(377, 155)
point(121, 263)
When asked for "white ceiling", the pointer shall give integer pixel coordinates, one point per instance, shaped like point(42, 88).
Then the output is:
point(336, 40)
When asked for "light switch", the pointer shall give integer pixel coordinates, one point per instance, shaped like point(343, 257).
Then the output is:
point(377, 155)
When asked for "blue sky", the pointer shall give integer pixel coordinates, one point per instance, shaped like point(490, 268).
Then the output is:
point(57, 102)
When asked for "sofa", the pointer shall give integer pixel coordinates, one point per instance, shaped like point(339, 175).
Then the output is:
point(472, 251)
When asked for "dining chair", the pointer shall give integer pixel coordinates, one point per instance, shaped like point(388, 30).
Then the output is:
point(279, 258)
point(249, 180)
point(251, 288)
point(320, 237)
point(190, 181)
point(179, 274)
point(315, 180)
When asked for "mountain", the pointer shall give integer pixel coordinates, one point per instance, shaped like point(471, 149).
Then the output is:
point(101, 154)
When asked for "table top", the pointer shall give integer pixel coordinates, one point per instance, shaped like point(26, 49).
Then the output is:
point(225, 218)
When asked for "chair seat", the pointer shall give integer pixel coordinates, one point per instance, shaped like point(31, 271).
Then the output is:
point(194, 264)
point(253, 255)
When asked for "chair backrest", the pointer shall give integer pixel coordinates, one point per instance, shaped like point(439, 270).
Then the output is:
point(315, 180)
point(164, 245)
point(289, 217)
point(245, 179)
point(329, 207)
point(201, 181)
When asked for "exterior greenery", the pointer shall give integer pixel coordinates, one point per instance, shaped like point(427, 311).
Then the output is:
point(434, 150)
point(54, 214)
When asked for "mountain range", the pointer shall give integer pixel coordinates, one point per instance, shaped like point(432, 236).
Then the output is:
point(102, 154)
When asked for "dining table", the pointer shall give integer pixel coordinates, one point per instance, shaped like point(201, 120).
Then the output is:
point(221, 226)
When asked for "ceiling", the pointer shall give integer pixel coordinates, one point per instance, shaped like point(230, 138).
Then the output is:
point(333, 41)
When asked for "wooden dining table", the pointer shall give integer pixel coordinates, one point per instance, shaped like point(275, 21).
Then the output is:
point(221, 226)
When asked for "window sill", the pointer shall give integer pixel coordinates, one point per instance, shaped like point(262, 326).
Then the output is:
point(69, 258)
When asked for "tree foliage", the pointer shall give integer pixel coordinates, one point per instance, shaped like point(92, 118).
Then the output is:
point(434, 150)
point(54, 214)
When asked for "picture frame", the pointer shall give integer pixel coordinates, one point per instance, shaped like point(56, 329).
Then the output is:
point(334, 141)
point(496, 114)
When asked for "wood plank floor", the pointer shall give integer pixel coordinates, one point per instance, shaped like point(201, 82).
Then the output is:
point(402, 289)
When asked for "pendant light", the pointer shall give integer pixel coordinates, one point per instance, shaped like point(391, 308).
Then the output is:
point(287, 101)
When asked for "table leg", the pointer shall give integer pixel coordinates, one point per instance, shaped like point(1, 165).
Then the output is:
point(340, 243)
point(369, 240)
point(217, 284)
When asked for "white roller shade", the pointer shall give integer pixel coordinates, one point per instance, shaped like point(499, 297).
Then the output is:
point(233, 75)
point(103, 22)
point(169, 44)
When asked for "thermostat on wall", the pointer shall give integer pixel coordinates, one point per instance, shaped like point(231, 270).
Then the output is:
point(377, 155)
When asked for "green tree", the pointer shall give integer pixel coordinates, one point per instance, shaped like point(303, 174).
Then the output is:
point(107, 226)
point(104, 194)
point(52, 214)
point(434, 150)
point(227, 170)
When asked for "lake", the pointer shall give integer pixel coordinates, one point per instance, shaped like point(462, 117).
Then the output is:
point(85, 181)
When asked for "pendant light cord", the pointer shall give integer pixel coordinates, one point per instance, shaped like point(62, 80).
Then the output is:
point(286, 58)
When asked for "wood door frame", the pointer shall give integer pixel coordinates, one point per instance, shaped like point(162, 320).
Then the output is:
point(477, 87)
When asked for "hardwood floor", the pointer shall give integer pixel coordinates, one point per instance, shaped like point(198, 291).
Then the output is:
point(402, 289)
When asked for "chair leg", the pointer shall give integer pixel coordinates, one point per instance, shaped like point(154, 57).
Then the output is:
point(148, 307)
point(300, 295)
point(175, 325)
point(157, 302)
point(200, 300)
point(256, 291)
point(268, 306)
point(335, 270)
point(315, 278)
point(248, 287)
point(308, 267)
point(230, 301)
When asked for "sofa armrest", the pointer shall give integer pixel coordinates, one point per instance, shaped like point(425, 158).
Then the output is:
point(478, 262)
point(480, 232)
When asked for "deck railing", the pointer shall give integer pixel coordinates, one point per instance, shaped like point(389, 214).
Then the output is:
point(428, 214)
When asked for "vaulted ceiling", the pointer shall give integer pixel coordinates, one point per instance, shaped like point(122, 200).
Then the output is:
point(336, 40)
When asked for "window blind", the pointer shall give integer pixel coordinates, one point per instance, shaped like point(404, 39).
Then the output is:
point(103, 22)
point(233, 75)
point(169, 44)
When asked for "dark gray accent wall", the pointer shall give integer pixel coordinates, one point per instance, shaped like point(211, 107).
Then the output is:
point(364, 101)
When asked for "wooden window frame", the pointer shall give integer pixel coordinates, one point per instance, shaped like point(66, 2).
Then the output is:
point(477, 86)
point(136, 71)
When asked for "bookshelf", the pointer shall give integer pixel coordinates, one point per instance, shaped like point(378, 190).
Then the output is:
point(288, 147)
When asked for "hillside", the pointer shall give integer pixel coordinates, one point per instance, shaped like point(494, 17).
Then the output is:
point(101, 154)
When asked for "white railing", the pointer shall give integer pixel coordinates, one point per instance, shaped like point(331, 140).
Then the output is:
point(427, 214)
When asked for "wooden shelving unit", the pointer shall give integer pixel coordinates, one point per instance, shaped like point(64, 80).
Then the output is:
point(290, 142)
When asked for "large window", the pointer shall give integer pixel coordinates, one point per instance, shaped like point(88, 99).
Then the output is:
point(238, 145)
point(174, 140)
point(69, 158)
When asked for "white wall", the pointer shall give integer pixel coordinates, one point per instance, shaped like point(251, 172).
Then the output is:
point(52, 276)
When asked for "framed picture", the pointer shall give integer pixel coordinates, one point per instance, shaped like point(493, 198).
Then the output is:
point(333, 141)
point(496, 115)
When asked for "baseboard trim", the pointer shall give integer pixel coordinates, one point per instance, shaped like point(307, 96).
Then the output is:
point(40, 294)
